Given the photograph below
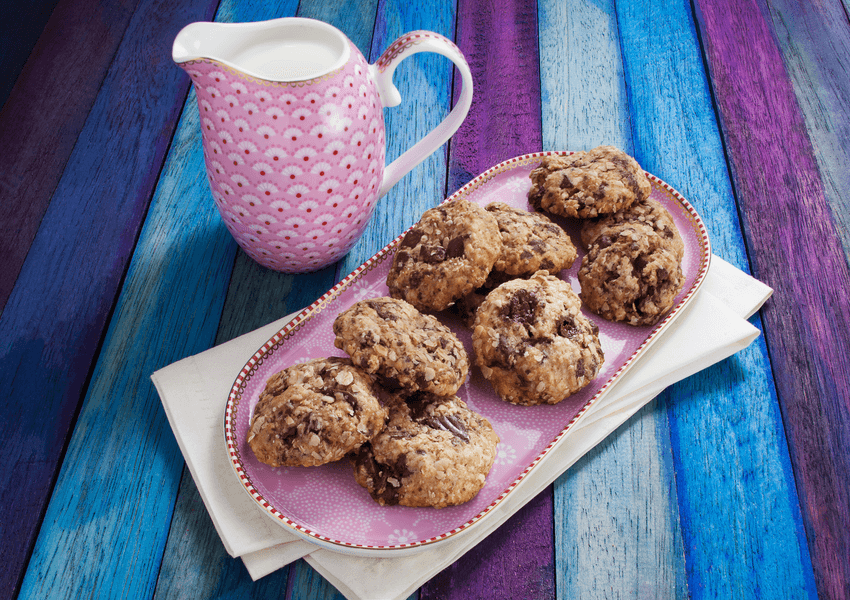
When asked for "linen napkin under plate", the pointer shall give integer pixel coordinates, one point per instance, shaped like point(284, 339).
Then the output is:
point(194, 392)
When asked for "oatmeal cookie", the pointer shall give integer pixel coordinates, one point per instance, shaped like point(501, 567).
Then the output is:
point(434, 452)
point(405, 349)
point(446, 255)
point(313, 413)
point(588, 184)
point(533, 343)
point(650, 212)
point(631, 275)
point(530, 242)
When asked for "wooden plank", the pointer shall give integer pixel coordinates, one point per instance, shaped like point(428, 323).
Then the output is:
point(255, 296)
point(45, 113)
point(616, 519)
point(814, 39)
point(55, 318)
point(734, 547)
point(21, 24)
point(789, 228)
point(515, 561)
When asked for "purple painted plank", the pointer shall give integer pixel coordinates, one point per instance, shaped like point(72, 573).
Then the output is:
point(795, 248)
point(504, 120)
point(517, 560)
point(45, 113)
point(55, 317)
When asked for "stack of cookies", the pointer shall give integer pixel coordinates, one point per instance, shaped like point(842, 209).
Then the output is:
point(632, 270)
point(391, 408)
point(530, 338)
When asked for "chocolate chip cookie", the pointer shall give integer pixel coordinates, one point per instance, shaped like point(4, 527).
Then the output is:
point(650, 212)
point(588, 184)
point(533, 343)
point(313, 413)
point(530, 242)
point(434, 452)
point(630, 274)
point(446, 255)
point(406, 349)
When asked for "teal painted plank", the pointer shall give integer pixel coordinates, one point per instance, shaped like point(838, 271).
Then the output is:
point(425, 83)
point(616, 520)
point(740, 516)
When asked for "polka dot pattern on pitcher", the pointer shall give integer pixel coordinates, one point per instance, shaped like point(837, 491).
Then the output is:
point(294, 168)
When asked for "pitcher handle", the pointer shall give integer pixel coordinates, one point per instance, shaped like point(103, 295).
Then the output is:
point(382, 73)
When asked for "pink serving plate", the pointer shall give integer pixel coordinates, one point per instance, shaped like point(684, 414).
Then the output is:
point(325, 505)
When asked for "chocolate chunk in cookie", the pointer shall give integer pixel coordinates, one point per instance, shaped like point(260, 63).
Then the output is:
point(405, 349)
point(648, 212)
point(533, 343)
point(588, 184)
point(530, 242)
point(435, 451)
point(446, 255)
point(313, 413)
point(630, 274)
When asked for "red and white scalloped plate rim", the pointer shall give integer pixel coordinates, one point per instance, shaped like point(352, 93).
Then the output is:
point(324, 505)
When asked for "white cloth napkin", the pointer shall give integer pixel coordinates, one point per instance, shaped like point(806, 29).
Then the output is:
point(194, 391)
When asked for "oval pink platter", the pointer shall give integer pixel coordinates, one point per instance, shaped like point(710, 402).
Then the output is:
point(326, 506)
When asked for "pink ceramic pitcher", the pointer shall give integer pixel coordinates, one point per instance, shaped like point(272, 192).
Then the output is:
point(293, 132)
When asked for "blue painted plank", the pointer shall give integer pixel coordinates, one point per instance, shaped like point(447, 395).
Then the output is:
point(55, 319)
point(616, 519)
point(46, 111)
point(737, 503)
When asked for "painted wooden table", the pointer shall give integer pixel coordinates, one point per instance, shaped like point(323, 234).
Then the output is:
point(734, 483)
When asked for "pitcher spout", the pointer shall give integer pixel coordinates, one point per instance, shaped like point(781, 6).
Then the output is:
point(280, 50)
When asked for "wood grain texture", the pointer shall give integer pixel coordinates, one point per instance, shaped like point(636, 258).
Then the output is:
point(46, 112)
point(814, 40)
point(780, 190)
point(504, 120)
point(515, 561)
point(56, 316)
point(616, 520)
point(676, 137)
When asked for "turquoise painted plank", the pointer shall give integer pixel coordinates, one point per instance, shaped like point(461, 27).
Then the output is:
point(616, 518)
point(425, 83)
point(739, 512)
point(195, 563)
point(115, 493)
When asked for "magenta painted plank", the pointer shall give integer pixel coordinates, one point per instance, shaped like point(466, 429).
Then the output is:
point(45, 113)
point(795, 248)
point(515, 561)
point(57, 312)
